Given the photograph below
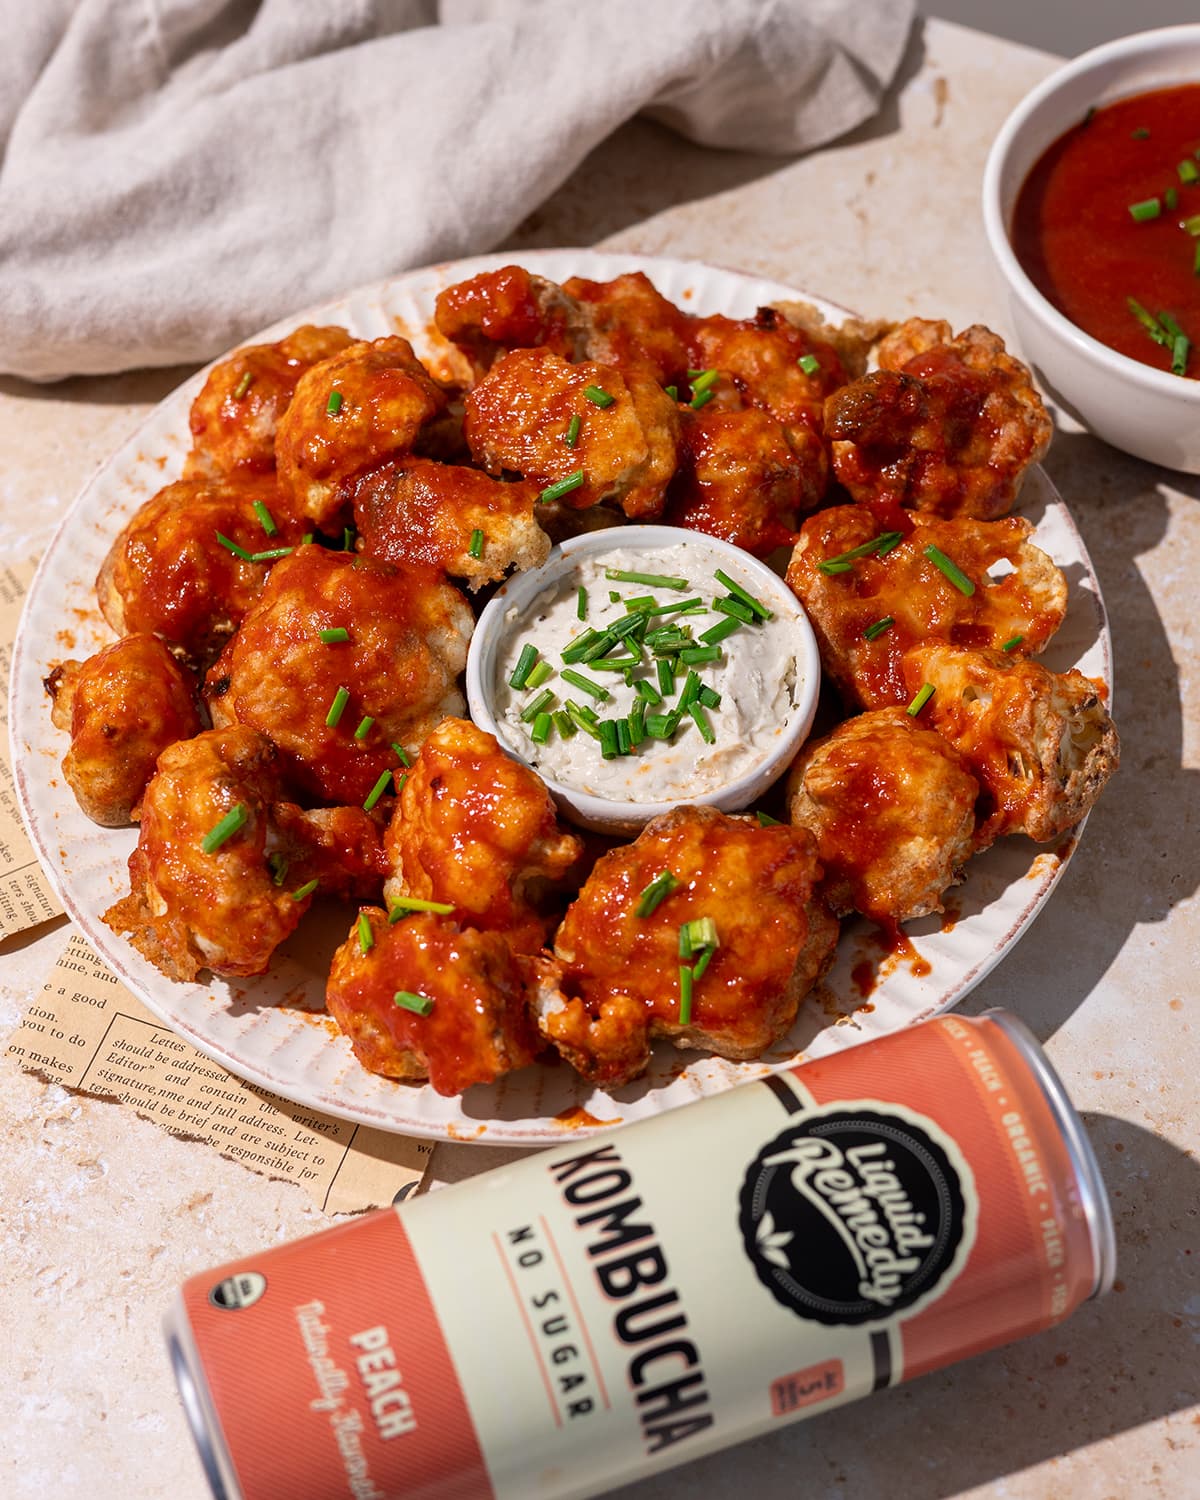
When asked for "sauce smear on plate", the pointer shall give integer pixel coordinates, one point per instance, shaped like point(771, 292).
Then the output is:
point(1077, 239)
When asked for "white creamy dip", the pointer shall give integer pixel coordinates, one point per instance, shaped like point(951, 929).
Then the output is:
point(758, 675)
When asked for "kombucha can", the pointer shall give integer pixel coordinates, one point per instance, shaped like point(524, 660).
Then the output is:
point(632, 1300)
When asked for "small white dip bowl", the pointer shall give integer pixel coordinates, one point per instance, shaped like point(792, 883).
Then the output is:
point(1150, 413)
point(510, 619)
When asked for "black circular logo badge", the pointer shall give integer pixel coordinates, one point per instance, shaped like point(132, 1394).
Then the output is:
point(855, 1214)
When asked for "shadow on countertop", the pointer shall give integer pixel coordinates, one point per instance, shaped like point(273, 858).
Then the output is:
point(1116, 1364)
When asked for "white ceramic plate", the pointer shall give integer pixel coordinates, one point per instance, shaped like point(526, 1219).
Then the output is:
point(273, 1031)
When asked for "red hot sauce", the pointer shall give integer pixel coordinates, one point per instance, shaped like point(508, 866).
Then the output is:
point(1088, 254)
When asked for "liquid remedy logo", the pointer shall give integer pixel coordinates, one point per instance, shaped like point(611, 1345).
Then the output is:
point(853, 1215)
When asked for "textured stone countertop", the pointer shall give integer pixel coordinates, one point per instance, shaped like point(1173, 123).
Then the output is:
point(103, 1214)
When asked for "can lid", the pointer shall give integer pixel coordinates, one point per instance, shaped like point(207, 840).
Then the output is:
point(1097, 1210)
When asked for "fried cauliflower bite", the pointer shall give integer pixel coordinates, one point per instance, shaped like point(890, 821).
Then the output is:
point(947, 425)
point(620, 983)
point(476, 990)
point(406, 643)
point(509, 308)
point(904, 586)
point(351, 412)
point(519, 415)
point(192, 908)
point(413, 512)
point(772, 363)
point(234, 418)
point(122, 707)
point(341, 848)
point(892, 807)
point(628, 323)
point(168, 574)
point(740, 479)
point(1042, 744)
point(478, 829)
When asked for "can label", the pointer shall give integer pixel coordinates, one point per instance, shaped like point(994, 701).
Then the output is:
point(634, 1301)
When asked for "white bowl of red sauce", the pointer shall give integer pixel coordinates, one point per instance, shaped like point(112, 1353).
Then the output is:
point(1091, 202)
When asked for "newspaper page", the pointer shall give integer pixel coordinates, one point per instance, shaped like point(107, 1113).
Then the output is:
point(87, 1031)
point(26, 896)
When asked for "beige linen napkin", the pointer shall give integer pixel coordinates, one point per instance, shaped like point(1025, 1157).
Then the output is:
point(178, 173)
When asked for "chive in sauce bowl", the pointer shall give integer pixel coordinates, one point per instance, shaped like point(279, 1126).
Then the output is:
point(755, 687)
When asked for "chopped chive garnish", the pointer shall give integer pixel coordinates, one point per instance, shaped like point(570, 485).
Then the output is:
point(234, 819)
point(563, 487)
point(720, 631)
point(737, 609)
point(647, 580)
point(586, 685)
point(1150, 323)
point(581, 603)
point(377, 791)
point(1187, 169)
point(334, 404)
point(700, 719)
point(705, 381)
point(233, 547)
point(402, 754)
point(366, 938)
point(525, 664)
point(1196, 260)
point(685, 941)
point(266, 519)
point(1140, 134)
point(615, 664)
point(708, 696)
point(598, 396)
point(602, 643)
point(573, 427)
point(701, 399)
point(878, 546)
point(613, 597)
point(637, 722)
point(666, 678)
point(1179, 354)
point(646, 693)
point(364, 727)
point(536, 705)
point(702, 933)
point(399, 780)
point(809, 363)
point(582, 643)
point(420, 1005)
point(1012, 643)
point(540, 732)
point(348, 539)
point(951, 569)
point(337, 708)
point(1148, 208)
point(306, 539)
point(685, 995)
point(306, 889)
point(586, 709)
point(1191, 225)
point(919, 702)
point(765, 820)
point(243, 385)
point(542, 670)
point(610, 746)
point(702, 963)
point(334, 637)
point(739, 592)
point(672, 391)
point(279, 868)
point(564, 723)
point(475, 546)
point(404, 906)
point(873, 632)
point(691, 686)
point(1171, 200)
point(581, 720)
point(660, 726)
point(271, 555)
point(654, 894)
point(695, 656)
point(624, 738)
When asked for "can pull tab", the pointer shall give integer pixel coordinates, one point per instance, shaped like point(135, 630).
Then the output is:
point(237, 1292)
